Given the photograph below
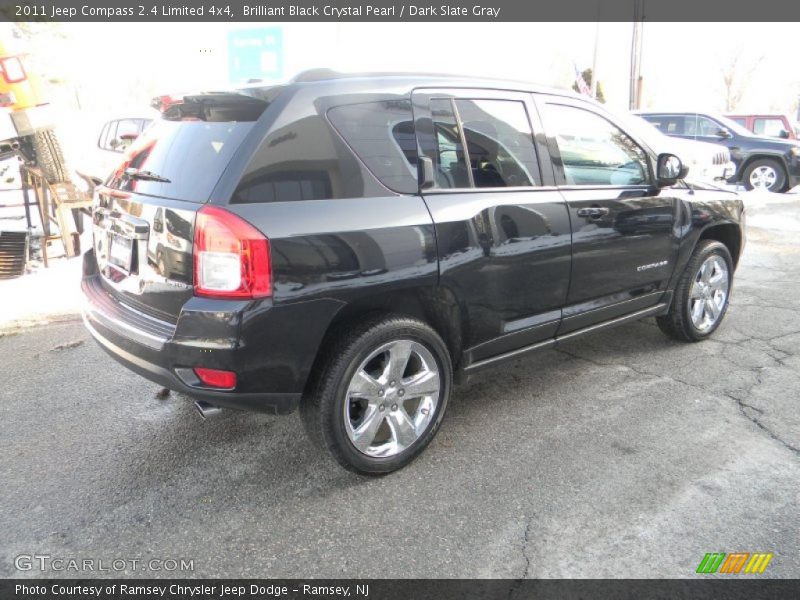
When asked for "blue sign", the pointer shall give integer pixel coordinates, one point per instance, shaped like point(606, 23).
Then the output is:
point(255, 54)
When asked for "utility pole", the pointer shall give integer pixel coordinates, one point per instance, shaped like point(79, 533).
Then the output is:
point(636, 55)
point(594, 58)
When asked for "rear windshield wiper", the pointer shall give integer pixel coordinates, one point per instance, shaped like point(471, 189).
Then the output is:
point(145, 175)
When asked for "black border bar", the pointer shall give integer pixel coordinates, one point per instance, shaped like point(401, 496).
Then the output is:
point(411, 11)
point(733, 588)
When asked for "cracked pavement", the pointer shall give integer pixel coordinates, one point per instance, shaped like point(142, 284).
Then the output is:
point(624, 454)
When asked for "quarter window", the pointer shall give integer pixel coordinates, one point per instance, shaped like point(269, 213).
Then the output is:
point(593, 150)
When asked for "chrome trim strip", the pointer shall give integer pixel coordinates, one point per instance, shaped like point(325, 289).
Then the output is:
point(488, 362)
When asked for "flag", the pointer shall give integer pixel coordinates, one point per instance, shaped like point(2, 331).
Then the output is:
point(583, 87)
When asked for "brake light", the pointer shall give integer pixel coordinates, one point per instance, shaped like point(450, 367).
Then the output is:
point(231, 257)
point(13, 71)
point(216, 378)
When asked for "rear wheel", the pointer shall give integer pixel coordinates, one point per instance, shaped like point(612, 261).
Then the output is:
point(765, 174)
point(380, 395)
point(702, 294)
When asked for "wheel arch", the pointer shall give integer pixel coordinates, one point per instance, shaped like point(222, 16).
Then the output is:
point(780, 158)
point(729, 234)
point(437, 306)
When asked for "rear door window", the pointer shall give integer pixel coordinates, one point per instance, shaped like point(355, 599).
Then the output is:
point(382, 135)
point(450, 164)
point(499, 143)
point(482, 143)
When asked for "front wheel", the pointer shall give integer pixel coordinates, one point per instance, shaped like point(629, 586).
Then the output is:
point(380, 394)
point(701, 295)
point(765, 174)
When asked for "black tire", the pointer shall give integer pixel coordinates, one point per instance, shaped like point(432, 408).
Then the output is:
point(323, 406)
point(49, 157)
point(780, 184)
point(677, 323)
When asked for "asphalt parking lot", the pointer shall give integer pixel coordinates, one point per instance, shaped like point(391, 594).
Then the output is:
point(620, 455)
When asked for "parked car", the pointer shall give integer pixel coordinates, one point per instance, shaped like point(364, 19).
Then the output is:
point(97, 155)
point(358, 243)
point(707, 162)
point(779, 126)
point(761, 162)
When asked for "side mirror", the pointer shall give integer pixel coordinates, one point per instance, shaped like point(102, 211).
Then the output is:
point(724, 134)
point(784, 134)
point(425, 173)
point(669, 169)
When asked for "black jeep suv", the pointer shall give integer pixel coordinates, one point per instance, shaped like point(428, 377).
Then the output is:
point(350, 244)
point(761, 162)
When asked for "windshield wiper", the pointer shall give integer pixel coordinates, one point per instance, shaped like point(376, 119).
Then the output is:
point(145, 175)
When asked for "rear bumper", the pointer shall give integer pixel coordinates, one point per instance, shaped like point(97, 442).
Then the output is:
point(161, 352)
point(262, 402)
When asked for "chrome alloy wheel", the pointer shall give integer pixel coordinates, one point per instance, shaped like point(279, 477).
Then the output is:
point(392, 398)
point(763, 177)
point(709, 292)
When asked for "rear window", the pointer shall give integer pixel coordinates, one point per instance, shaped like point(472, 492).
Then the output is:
point(183, 155)
point(382, 136)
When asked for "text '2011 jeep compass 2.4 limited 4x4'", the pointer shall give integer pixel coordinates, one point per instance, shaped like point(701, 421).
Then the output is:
point(349, 244)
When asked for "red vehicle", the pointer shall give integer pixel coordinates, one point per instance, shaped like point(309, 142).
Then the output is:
point(779, 126)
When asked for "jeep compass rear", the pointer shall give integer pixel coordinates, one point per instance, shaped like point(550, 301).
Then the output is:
point(347, 245)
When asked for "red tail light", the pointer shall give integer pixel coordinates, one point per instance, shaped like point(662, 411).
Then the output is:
point(231, 257)
point(216, 378)
point(13, 71)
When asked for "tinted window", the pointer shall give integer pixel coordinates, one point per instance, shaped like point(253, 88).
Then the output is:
point(382, 136)
point(302, 159)
point(449, 162)
point(189, 147)
point(667, 124)
point(191, 155)
point(593, 150)
point(499, 143)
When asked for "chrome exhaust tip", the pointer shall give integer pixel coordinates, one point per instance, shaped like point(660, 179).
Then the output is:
point(206, 410)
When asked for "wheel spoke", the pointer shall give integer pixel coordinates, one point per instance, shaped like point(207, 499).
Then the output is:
point(403, 431)
point(399, 353)
point(697, 311)
point(422, 384)
point(364, 385)
point(696, 291)
point(364, 434)
point(705, 272)
point(718, 279)
point(713, 309)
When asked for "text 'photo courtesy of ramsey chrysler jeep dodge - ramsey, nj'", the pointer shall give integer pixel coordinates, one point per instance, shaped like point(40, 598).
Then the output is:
point(349, 245)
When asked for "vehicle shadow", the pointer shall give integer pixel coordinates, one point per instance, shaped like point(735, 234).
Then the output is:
point(244, 450)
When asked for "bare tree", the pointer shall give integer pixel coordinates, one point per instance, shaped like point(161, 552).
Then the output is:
point(736, 76)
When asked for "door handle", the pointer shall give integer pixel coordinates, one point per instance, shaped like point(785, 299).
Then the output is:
point(593, 212)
